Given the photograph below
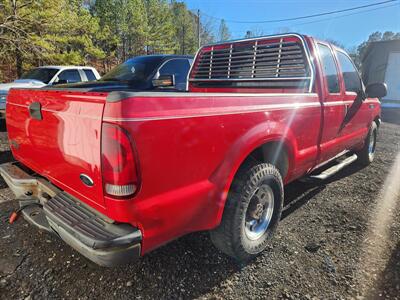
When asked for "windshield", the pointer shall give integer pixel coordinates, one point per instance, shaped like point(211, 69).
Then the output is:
point(135, 69)
point(42, 74)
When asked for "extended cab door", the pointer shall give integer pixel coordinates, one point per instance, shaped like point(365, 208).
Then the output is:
point(357, 117)
point(332, 103)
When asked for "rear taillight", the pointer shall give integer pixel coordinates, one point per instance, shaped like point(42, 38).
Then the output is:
point(119, 168)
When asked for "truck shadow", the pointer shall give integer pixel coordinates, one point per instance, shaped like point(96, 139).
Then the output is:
point(190, 260)
point(299, 193)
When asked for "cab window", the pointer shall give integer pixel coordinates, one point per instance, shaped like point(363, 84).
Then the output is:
point(329, 68)
point(89, 74)
point(351, 77)
point(71, 76)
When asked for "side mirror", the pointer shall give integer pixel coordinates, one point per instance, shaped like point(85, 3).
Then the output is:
point(164, 81)
point(376, 90)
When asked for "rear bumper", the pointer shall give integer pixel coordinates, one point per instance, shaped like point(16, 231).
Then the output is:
point(91, 234)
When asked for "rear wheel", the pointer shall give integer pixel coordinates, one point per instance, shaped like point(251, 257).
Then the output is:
point(367, 153)
point(252, 212)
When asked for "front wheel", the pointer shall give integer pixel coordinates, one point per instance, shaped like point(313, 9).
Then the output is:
point(252, 212)
point(367, 153)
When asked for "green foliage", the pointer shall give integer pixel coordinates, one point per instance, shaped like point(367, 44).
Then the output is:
point(101, 32)
point(47, 32)
point(160, 28)
point(185, 29)
point(124, 23)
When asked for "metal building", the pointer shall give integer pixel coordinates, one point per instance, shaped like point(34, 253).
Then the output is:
point(381, 63)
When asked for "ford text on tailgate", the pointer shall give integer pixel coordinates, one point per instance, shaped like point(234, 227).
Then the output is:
point(120, 173)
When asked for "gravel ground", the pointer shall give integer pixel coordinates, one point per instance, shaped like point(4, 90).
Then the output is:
point(339, 239)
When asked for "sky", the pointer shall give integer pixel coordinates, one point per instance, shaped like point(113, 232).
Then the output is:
point(348, 28)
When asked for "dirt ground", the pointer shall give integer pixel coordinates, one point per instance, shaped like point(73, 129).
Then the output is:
point(339, 239)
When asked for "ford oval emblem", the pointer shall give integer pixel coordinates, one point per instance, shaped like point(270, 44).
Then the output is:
point(86, 180)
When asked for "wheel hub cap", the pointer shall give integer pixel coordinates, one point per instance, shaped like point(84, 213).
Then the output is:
point(371, 146)
point(259, 212)
point(372, 143)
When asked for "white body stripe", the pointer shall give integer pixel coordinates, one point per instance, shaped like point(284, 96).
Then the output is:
point(231, 111)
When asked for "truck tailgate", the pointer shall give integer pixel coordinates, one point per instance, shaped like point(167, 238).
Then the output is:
point(58, 135)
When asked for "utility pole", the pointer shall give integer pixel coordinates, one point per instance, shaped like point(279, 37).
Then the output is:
point(198, 27)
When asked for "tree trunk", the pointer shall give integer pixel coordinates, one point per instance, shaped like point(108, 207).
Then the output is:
point(105, 65)
point(18, 62)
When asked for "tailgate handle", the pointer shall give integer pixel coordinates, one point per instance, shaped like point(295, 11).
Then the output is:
point(35, 110)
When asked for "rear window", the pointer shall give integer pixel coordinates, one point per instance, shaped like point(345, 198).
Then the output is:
point(271, 62)
point(42, 74)
point(89, 74)
point(329, 68)
point(135, 69)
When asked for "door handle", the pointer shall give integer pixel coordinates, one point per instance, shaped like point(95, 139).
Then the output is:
point(35, 111)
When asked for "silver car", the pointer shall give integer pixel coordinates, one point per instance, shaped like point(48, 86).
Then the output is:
point(47, 75)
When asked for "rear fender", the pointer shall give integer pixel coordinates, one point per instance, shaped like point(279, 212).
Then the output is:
point(257, 136)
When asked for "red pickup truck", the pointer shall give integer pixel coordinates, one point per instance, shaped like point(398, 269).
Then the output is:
point(116, 174)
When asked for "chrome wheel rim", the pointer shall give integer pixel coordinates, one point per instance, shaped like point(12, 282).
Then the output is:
point(372, 144)
point(259, 212)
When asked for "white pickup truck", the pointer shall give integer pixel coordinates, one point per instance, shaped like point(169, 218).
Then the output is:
point(47, 75)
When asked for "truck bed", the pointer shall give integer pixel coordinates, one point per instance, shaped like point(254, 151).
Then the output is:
point(179, 136)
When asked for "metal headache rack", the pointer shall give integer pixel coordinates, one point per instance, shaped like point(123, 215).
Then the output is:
point(274, 61)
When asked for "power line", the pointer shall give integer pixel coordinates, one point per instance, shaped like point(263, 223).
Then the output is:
point(304, 17)
point(326, 19)
point(342, 16)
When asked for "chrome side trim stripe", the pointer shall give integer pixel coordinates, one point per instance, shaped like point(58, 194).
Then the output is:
point(208, 112)
point(336, 103)
point(239, 110)
point(197, 95)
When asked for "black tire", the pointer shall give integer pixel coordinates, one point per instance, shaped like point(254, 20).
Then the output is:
point(232, 236)
point(367, 154)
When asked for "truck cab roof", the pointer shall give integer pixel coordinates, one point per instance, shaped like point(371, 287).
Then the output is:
point(137, 74)
point(64, 67)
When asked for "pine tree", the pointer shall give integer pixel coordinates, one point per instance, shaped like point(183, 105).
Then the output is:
point(126, 20)
point(185, 29)
point(160, 28)
point(46, 31)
